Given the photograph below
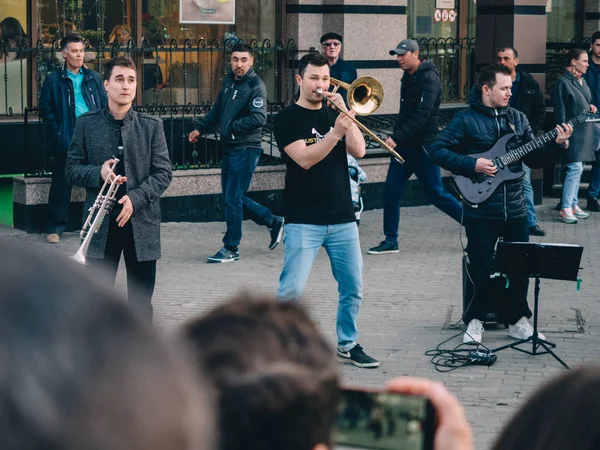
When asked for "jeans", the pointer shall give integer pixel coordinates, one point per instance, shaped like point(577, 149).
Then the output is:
point(59, 198)
point(528, 191)
point(141, 275)
point(482, 235)
point(302, 243)
point(237, 169)
point(594, 189)
point(571, 185)
point(429, 175)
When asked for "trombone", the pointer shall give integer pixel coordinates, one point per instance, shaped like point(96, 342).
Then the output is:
point(102, 205)
point(365, 95)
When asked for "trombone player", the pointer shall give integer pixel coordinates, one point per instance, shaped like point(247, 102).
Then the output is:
point(417, 124)
point(132, 228)
point(313, 140)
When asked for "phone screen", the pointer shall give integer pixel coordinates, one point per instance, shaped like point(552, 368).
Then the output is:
point(384, 421)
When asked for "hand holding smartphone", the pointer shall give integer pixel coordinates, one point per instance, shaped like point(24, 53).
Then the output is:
point(382, 420)
point(429, 416)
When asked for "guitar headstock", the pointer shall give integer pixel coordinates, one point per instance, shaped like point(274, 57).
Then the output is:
point(586, 117)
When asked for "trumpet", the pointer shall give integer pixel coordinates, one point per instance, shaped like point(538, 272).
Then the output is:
point(102, 205)
point(365, 95)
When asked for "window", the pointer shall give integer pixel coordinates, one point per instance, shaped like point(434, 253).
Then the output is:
point(565, 20)
point(13, 60)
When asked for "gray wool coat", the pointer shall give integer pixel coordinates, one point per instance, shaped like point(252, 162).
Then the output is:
point(147, 167)
point(570, 100)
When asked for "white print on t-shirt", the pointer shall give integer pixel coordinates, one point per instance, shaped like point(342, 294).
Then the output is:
point(318, 136)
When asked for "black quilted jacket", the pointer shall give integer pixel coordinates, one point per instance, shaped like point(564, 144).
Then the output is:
point(475, 130)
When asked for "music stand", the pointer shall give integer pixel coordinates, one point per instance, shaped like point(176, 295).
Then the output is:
point(533, 260)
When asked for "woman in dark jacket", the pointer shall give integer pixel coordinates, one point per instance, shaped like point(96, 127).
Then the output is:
point(571, 97)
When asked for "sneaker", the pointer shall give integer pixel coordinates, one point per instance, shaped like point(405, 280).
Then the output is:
point(53, 238)
point(566, 216)
point(357, 356)
point(276, 232)
point(474, 332)
point(592, 204)
point(580, 213)
point(383, 248)
point(224, 256)
point(522, 330)
point(536, 231)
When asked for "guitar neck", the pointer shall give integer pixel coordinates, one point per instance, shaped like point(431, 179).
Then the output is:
point(520, 152)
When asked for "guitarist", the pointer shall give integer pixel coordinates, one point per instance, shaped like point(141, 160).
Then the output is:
point(475, 130)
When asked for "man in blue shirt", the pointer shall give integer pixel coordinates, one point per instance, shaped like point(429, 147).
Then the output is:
point(331, 43)
point(66, 94)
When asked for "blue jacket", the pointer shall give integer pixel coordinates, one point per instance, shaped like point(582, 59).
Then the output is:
point(343, 71)
point(475, 130)
point(592, 78)
point(57, 105)
point(240, 110)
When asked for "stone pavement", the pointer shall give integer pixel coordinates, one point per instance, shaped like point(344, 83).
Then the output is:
point(407, 298)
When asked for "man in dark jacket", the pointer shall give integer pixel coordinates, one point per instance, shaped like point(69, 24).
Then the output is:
point(66, 95)
point(241, 111)
point(138, 141)
point(504, 214)
point(528, 98)
point(592, 78)
point(417, 125)
point(331, 44)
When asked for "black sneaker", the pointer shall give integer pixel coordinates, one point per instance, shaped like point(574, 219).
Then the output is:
point(536, 231)
point(383, 248)
point(224, 256)
point(358, 357)
point(592, 204)
point(276, 232)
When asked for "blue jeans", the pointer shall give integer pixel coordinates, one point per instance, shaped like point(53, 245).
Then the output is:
point(302, 243)
point(528, 191)
point(594, 189)
point(237, 168)
point(429, 175)
point(571, 185)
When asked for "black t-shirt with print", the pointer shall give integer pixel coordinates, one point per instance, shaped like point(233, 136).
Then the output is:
point(321, 194)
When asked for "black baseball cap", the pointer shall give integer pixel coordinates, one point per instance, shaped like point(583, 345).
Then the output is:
point(407, 45)
point(331, 35)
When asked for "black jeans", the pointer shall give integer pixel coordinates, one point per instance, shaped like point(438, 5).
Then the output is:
point(483, 235)
point(141, 275)
point(59, 198)
point(429, 176)
point(237, 168)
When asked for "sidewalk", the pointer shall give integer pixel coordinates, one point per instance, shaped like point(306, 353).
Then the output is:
point(407, 299)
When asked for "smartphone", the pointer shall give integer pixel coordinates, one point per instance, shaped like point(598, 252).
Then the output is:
point(384, 421)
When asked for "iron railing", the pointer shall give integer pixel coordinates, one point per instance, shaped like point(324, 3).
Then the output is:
point(179, 83)
point(455, 62)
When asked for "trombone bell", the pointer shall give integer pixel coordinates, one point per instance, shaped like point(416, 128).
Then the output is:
point(365, 94)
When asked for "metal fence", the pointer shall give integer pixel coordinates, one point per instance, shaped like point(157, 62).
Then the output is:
point(178, 83)
point(455, 62)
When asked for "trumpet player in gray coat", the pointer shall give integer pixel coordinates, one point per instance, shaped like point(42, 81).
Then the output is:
point(132, 228)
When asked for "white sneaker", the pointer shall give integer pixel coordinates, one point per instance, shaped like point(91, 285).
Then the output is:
point(567, 216)
point(522, 330)
point(474, 331)
point(580, 213)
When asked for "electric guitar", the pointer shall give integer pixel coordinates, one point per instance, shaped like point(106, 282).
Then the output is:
point(478, 188)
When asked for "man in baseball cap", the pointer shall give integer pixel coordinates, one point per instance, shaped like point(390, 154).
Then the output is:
point(407, 45)
point(417, 125)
